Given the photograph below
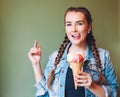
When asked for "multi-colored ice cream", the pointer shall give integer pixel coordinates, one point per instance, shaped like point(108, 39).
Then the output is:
point(76, 63)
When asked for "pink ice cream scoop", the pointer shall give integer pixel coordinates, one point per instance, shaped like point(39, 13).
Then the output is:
point(78, 58)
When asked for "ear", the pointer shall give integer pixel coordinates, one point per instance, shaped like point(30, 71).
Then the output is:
point(90, 28)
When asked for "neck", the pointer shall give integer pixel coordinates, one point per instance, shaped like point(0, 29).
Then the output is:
point(78, 48)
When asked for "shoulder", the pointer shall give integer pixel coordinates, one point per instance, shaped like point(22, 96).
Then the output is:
point(53, 55)
point(104, 55)
point(51, 58)
point(103, 51)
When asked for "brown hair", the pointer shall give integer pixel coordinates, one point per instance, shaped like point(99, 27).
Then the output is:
point(90, 40)
point(57, 60)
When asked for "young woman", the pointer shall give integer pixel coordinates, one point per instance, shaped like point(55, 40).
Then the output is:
point(98, 78)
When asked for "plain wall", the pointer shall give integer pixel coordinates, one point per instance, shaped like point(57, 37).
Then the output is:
point(23, 21)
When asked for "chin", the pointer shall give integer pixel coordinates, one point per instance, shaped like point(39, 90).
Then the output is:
point(76, 43)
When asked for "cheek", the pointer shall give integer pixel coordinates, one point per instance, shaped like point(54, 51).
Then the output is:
point(68, 33)
point(84, 31)
point(68, 29)
point(84, 35)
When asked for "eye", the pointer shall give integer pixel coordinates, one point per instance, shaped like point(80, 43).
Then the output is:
point(68, 24)
point(80, 23)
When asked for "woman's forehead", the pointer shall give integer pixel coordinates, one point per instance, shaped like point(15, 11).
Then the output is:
point(76, 16)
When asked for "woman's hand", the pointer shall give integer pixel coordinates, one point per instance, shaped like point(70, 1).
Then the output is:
point(35, 56)
point(83, 79)
point(35, 53)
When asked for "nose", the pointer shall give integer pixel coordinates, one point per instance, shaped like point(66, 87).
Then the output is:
point(74, 28)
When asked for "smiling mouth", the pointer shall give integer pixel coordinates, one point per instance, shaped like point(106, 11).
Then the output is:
point(76, 36)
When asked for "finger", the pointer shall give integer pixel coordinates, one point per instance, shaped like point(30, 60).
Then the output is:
point(82, 73)
point(32, 51)
point(81, 76)
point(86, 82)
point(83, 84)
point(35, 44)
point(82, 80)
point(39, 46)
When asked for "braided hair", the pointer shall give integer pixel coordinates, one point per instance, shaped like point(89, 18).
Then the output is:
point(57, 60)
point(90, 40)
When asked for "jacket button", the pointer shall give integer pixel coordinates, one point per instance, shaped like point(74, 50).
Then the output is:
point(60, 85)
point(62, 71)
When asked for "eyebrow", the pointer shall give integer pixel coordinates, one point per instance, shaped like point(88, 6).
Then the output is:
point(67, 22)
point(76, 21)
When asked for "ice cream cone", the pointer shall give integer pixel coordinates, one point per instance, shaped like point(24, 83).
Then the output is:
point(76, 64)
point(76, 67)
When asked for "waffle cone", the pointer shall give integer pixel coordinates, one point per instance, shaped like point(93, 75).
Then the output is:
point(76, 67)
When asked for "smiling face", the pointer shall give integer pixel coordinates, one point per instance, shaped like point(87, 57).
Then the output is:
point(77, 27)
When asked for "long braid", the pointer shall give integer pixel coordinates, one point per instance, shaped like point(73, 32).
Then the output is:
point(57, 60)
point(91, 42)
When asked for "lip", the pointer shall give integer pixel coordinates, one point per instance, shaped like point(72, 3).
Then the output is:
point(75, 36)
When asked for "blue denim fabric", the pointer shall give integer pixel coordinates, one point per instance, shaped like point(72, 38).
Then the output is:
point(90, 66)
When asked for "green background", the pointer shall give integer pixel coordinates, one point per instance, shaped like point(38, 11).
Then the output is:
point(23, 21)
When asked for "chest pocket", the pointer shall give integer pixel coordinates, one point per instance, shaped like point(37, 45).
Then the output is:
point(92, 68)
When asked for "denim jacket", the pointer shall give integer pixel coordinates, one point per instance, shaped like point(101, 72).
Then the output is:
point(90, 66)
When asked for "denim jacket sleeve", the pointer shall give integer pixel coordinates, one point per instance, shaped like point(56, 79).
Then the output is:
point(109, 73)
point(41, 89)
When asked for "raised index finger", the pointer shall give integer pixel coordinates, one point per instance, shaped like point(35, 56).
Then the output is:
point(35, 44)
